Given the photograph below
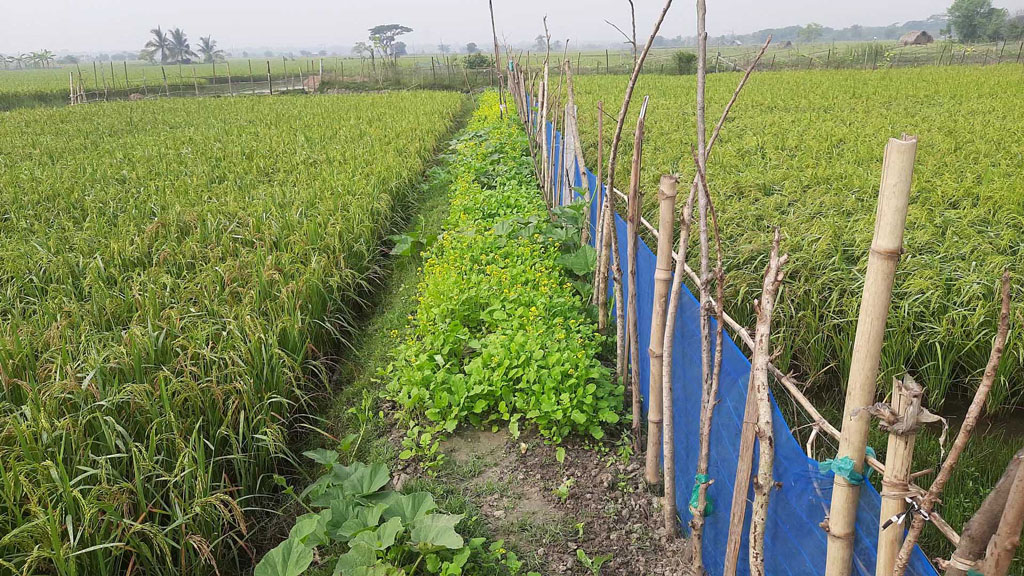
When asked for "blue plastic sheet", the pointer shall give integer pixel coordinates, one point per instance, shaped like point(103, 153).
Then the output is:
point(795, 543)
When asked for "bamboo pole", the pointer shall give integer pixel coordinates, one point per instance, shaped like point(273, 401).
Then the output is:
point(899, 456)
point(632, 239)
point(744, 467)
point(927, 503)
point(980, 528)
point(1004, 543)
point(667, 192)
point(890, 220)
point(600, 271)
point(763, 484)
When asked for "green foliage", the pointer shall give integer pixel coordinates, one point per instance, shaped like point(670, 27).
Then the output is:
point(562, 491)
point(500, 333)
point(684, 62)
point(175, 275)
point(593, 564)
point(974, 20)
point(379, 531)
point(478, 61)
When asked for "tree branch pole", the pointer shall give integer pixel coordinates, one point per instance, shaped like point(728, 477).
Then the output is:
point(927, 503)
point(578, 151)
point(667, 191)
point(763, 484)
point(669, 440)
point(886, 247)
point(634, 202)
point(1007, 537)
point(697, 514)
point(980, 528)
point(709, 388)
point(497, 65)
point(610, 233)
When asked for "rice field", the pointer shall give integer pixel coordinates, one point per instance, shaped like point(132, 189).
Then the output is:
point(176, 277)
point(803, 150)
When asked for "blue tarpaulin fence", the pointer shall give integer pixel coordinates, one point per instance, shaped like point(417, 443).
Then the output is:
point(795, 543)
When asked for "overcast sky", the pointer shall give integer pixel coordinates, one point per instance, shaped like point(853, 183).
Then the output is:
point(111, 25)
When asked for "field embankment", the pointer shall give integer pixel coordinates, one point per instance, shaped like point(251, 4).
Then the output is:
point(175, 276)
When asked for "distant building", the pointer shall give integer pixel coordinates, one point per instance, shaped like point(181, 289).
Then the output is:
point(916, 37)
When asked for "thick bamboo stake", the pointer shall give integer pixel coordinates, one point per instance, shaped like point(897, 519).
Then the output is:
point(1007, 537)
point(899, 456)
point(633, 223)
point(963, 435)
point(744, 466)
point(669, 439)
point(763, 484)
point(662, 284)
point(980, 528)
point(890, 220)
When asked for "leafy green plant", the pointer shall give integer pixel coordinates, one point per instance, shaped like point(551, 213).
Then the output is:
point(563, 490)
point(379, 532)
point(684, 62)
point(593, 564)
point(500, 334)
point(414, 242)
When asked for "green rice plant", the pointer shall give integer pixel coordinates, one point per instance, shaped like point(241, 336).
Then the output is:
point(803, 150)
point(176, 279)
point(500, 335)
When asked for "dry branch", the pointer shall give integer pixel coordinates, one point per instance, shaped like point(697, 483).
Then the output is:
point(632, 238)
point(927, 503)
point(980, 528)
point(1007, 537)
point(759, 381)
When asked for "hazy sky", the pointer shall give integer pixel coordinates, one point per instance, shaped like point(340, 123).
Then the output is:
point(110, 25)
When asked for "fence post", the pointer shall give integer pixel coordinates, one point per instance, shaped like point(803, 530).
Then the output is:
point(270, 79)
point(898, 459)
point(662, 283)
point(71, 83)
point(1020, 51)
point(252, 79)
point(167, 87)
point(126, 84)
point(231, 87)
point(145, 84)
point(195, 81)
point(886, 246)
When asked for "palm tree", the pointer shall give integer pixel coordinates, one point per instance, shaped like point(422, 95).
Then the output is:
point(181, 50)
point(208, 48)
point(159, 44)
point(44, 58)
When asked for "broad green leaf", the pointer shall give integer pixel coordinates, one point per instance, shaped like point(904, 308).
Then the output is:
point(358, 556)
point(311, 529)
point(410, 507)
point(289, 558)
point(382, 538)
point(437, 531)
point(326, 458)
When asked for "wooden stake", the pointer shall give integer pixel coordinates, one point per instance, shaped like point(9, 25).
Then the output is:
point(1004, 544)
point(195, 80)
point(671, 517)
point(667, 192)
point(980, 528)
point(635, 201)
point(270, 79)
point(231, 87)
point(764, 483)
point(899, 456)
point(890, 220)
point(927, 503)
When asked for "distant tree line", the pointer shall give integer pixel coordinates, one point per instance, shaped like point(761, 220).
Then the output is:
point(979, 21)
point(173, 47)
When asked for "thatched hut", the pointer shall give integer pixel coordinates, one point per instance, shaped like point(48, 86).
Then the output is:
point(916, 38)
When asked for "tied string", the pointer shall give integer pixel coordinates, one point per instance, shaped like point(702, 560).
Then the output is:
point(700, 479)
point(843, 467)
point(912, 508)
